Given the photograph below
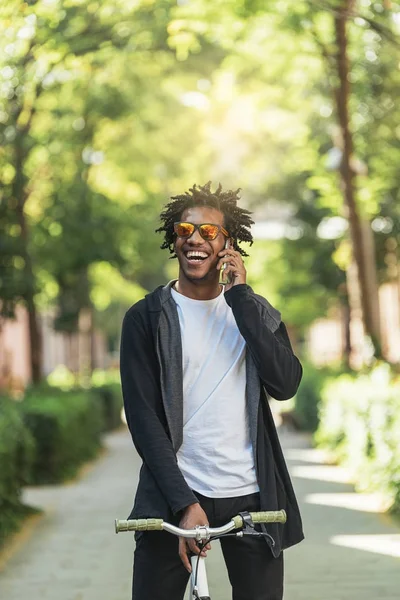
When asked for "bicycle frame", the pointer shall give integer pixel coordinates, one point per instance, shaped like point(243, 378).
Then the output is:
point(198, 579)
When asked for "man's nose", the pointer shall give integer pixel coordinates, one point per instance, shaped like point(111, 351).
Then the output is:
point(195, 238)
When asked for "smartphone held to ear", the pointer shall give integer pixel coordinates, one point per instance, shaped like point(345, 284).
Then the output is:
point(225, 277)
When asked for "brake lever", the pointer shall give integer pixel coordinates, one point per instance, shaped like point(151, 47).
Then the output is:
point(248, 528)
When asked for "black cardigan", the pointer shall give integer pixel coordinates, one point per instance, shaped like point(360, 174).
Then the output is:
point(162, 490)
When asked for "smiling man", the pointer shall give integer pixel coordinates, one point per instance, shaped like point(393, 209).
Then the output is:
point(198, 362)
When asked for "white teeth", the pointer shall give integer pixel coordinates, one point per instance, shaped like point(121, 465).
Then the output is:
point(200, 254)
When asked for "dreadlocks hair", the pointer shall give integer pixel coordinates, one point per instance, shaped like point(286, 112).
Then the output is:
point(237, 220)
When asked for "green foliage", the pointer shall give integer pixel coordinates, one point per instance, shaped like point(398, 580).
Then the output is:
point(106, 386)
point(67, 80)
point(110, 397)
point(17, 452)
point(47, 436)
point(308, 397)
point(107, 109)
point(307, 281)
point(284, 122)
point(66, 427)
point(360, 421)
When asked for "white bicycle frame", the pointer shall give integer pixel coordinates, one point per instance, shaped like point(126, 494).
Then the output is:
point(202, 534)
point(198, 579)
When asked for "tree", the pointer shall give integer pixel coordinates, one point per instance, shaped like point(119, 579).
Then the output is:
point(326, 25)
point(41, 45)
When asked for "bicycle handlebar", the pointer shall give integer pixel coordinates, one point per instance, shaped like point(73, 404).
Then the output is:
point(201, 532)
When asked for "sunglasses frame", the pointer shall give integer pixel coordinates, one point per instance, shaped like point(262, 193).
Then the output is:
point(197, 227)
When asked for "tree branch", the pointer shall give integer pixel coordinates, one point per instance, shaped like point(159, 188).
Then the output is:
point(383, 30)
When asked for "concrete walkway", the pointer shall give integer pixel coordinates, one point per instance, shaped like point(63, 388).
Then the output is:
point(351, 549)
point(72, 553)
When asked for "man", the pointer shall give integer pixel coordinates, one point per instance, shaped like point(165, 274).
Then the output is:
point(198, 361)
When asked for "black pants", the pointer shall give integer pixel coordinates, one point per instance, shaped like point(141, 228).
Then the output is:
point(254, 573)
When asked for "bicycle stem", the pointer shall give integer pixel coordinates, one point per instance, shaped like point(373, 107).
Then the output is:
point(200, 532)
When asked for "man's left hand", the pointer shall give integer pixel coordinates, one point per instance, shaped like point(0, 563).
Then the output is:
point(234, 267)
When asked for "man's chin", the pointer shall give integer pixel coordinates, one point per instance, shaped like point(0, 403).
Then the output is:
point(199, 277)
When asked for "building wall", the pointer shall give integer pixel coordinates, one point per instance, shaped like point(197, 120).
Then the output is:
point(58, 349)
point(389, 301)
point(15, 370)
point(325, 340)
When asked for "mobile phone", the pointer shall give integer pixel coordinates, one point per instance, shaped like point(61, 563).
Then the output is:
point(225, 278)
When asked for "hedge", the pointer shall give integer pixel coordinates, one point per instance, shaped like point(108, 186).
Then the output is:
point(105, 390)
point(46, 437)
point(360, 422)
point(308, 396)
point(67, 430)
point(16, 455)
point(110, 396)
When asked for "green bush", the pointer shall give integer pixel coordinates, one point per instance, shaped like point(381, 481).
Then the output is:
point(105, 388)
point(47, 436)
point(16, 455)
point(66, 427)
point(360, 421)
point(308, 396)
point(111, 404)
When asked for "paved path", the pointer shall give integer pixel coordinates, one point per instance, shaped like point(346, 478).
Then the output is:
point(351, 550)
point(71, 552)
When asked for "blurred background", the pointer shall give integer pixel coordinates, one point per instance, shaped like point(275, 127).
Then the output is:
point(107, 108)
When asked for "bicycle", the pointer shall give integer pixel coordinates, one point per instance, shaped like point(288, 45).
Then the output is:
point(243, 523)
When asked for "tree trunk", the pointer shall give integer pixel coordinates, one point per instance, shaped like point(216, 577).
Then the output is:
point(346, 320)
point(371, 277)
point(342, 95)
point(356, 327)
point(19, 194)
point(85, 346)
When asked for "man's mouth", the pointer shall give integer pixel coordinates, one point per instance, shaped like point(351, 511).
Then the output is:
point(195, 257)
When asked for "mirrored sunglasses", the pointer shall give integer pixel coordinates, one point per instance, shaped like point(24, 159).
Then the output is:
point(208, 231)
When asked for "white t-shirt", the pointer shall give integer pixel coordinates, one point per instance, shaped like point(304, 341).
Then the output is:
point(216, 456)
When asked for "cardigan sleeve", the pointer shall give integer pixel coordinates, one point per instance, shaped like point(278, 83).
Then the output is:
point(278, 368)
point(145, 416)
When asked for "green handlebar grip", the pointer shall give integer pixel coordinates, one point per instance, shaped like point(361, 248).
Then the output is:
point(138, 525)
point(238, 521)
point(271, 516)
point(268, 516)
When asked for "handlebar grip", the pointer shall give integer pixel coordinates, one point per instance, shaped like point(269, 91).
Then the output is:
point(271, 516)
point(267, 516)
point(138, 525)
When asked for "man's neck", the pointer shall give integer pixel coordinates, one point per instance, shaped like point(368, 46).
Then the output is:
point(198, 291)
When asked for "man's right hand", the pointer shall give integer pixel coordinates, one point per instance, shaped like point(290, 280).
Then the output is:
point(193, 515)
